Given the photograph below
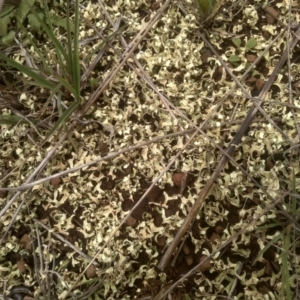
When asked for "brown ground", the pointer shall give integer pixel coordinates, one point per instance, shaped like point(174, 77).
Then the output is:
point(86, 207)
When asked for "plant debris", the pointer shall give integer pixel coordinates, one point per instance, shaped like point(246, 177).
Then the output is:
point(54, 242)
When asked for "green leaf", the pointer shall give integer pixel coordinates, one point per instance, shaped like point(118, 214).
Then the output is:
point(23, 10)
point(204, 7)
point(208, 8)
point(8, 38)
point(237, 42)
point(6, 10)
point(251, 43)
point(34, 22)
point(62, 22)
point(234, 58)
point(255, 73)
point(5, 18)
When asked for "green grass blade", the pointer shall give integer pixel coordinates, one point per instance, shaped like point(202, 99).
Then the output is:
point(272, 242)
point(60, 51)
point(286, 291)
point(48, 15)
point(49, 31)
point(66, 84)
point(62, 80)
point(37, 50)
point(294, 200)
point(263, 228)
point(12, 120)
point(60, 111)
point(62, 119)
point(69, 39)
point(75, 63)
point(40, 80)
